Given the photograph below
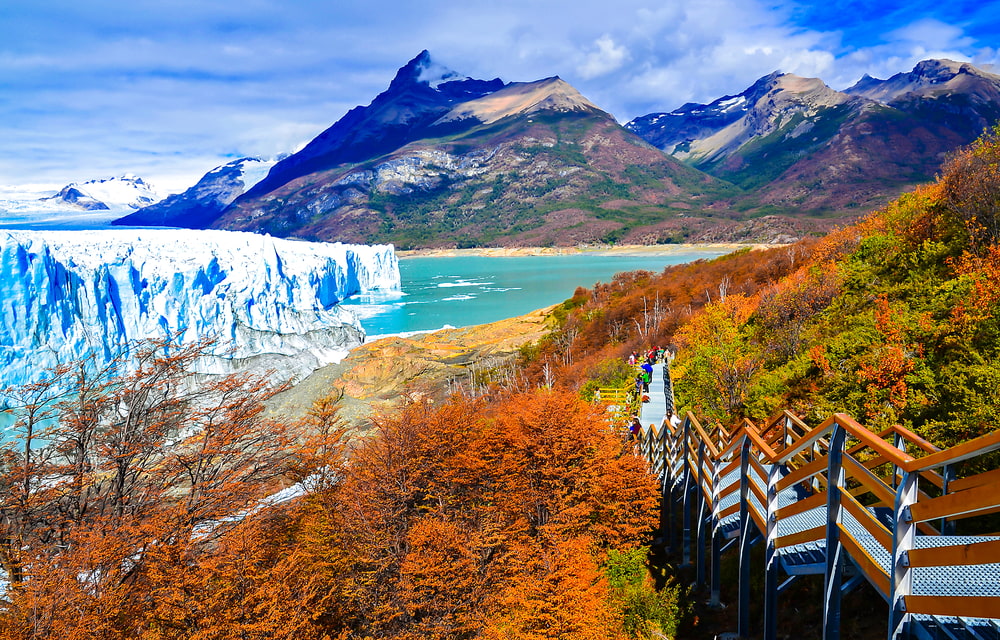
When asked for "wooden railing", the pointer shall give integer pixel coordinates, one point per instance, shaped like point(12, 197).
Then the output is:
point(624, 398)
point(824, 496)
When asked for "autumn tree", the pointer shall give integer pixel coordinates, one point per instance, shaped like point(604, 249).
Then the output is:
point(717, 359)
point(971, 188)
point(117, 473)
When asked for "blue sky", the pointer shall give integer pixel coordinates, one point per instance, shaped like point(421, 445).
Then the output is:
point(168, 90)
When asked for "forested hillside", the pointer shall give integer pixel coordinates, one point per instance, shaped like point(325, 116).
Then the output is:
point(155, 512)
point(893, 320)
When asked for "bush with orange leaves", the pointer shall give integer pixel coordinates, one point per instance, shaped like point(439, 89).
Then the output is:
point(478, 519)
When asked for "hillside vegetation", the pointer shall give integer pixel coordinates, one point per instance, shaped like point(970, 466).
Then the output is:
point(893, 320)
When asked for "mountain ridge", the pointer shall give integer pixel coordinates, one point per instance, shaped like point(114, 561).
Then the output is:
point(797, 144)
point(442, 160)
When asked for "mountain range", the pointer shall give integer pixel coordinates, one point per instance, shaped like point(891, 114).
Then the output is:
point(439, 159)
point(795, 144)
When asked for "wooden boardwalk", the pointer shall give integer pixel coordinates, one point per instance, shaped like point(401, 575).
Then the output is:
point(838, 500)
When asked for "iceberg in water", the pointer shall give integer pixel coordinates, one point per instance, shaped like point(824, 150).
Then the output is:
point(269, 303)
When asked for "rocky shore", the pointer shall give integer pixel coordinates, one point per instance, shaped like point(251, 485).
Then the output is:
point(379, 375)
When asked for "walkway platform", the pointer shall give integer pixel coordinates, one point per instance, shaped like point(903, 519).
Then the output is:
point(841, 501)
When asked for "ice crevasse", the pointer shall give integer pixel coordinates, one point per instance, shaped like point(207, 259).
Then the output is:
point(268, 303)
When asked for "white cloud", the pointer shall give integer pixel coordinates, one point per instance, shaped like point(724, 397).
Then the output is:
point(115, 86)
point(607, 57)
point(930, 34)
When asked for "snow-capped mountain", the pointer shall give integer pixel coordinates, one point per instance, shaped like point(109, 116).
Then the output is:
point(200, 205)
point(90, 204)
point(439, 159)
point(704, 133)
point(930, 79)
point(270, 303)
point(421, 92)
point(122, 192)
point(796, 145)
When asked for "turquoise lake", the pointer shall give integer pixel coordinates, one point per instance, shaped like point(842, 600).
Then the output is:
point(467, 290)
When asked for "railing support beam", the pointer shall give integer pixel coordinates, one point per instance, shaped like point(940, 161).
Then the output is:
point(771, 556)
point(834, 550)
point(746, 534)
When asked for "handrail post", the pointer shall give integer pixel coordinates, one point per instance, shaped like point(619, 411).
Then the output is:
point(947, 527)
point(903, 540)
point(771, 556)
point(900, 444)
point(663, 455)
point(677, 461)
point(688, 484)
point(746, 527)
point(700, 555)
point(716, 599)
point(834, 550)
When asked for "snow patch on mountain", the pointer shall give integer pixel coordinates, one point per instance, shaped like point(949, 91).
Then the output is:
point(269, 303)
point(90, 204)
point(201, 204)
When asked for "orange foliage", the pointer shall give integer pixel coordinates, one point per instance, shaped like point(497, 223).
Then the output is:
point(137, 519)
point(639, 310)
point(885, 369)
point(452, 512)
point(984, 272)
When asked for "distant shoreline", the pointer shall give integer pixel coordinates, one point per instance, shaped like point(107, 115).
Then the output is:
point(595, 250)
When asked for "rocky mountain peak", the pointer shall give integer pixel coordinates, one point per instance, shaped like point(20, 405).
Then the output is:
point(423, 70)
point(926, 76)
point(936, 71)
point(521, 98)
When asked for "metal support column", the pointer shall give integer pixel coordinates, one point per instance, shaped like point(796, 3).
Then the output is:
point(903, 541)
point(834, 551)
point(700, 552)
point(771, 556)
point(746, 534)
point(716, 599)
point(688, 485)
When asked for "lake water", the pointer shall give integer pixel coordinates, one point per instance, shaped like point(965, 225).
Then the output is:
point(467, 290)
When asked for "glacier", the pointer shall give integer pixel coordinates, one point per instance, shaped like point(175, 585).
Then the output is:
point(270, 304)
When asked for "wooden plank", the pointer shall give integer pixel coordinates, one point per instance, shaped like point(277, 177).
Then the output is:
point(984, 512)
point(808, 439)
point(801, 506)
point(726, 470)
point(870, 481)
point(761, 494)
point(802, 473)
point(809, 535)
point(762, 446)
point(712, 449)
point(964, 606)
point(986, 552)
point(875, 443)
point(758, 467)
point(974, 481)
point(964, 451)
point(867, 520)
point(759, 519)
point(979, 498)
point(911, 437)
point(872, 570)
point(730, 510)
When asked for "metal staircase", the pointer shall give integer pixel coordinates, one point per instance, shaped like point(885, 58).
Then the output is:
point(837, 500)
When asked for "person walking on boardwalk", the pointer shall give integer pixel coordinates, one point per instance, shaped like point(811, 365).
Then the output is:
point(647, 375)
point(633, 428)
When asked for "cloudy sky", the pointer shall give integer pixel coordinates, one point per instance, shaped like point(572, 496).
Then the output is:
point(168, 89)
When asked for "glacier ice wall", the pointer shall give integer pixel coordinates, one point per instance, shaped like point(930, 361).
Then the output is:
point(269, 303)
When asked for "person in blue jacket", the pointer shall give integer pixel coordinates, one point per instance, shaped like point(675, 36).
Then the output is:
point(647, 375)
